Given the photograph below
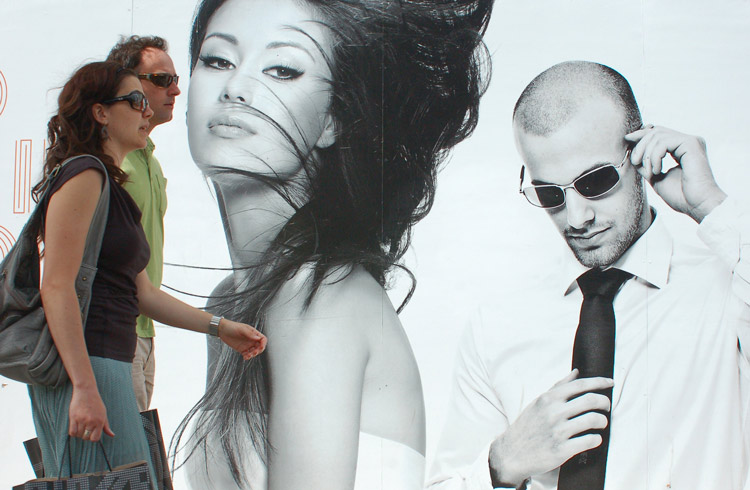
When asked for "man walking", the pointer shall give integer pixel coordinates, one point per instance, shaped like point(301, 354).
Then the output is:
point(148, 57)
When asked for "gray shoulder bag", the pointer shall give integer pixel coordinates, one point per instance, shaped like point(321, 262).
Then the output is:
point(27, 351)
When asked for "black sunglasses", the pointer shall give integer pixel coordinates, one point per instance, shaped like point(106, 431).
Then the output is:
point(590, 185)
point(136, 99)
point(162, 80)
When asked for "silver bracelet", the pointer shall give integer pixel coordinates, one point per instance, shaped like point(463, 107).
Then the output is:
point(213, 325)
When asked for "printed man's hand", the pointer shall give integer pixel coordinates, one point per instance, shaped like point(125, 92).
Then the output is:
point(544, 435)
point(690, 187)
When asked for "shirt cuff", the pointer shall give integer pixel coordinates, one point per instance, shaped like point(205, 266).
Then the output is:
point(721, 233)
point(480, 472)
point(726, 231)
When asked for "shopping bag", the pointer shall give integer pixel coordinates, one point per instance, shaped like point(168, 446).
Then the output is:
point(35, 456)
point(157, 449)
point(152, 428)
point(131, 476)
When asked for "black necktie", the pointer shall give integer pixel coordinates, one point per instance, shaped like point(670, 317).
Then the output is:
point(594, 355)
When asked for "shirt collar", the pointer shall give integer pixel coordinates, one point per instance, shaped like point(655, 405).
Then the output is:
point(149, 149)
point(648, 259)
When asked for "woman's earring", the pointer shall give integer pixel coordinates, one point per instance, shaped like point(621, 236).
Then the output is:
point(104, 132)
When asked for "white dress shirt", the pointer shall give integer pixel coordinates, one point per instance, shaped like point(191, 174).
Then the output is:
point(680, 396)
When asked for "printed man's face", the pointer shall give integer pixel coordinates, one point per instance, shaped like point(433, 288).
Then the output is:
point(598, 230)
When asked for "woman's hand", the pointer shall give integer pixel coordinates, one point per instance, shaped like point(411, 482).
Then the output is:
point(164, 308)
point(88, 415)
point(242, 337)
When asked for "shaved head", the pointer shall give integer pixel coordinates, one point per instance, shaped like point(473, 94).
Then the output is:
point(556, 95)
point(570, 120)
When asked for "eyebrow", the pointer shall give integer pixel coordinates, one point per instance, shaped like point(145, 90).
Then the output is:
point(272, 45)
point(289, 44)
point(227, 37)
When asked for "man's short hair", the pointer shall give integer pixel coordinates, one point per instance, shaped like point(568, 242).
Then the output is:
point(128, 51)
point(556, 94)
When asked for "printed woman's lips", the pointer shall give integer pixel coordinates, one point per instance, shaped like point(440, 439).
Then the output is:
point(230, 127)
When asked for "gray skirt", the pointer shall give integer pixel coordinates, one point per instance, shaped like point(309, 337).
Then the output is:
point(49, 407)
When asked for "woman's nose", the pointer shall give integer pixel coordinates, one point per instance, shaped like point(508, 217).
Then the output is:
point(239, 88)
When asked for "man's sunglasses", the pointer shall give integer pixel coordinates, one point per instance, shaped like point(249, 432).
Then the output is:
point(590, 185)
point(136, 99)
point(162, 80)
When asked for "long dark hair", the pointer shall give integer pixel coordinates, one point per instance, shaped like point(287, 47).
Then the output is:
point(73, 130)
point(406, 79)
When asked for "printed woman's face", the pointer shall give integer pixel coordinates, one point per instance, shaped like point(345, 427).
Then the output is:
point(260, 88)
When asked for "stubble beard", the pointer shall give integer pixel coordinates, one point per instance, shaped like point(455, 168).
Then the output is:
point(608, 253)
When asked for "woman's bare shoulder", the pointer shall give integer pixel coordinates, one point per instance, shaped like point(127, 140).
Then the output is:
point(80, 185)
point(321, 339)
point(349, 309)
point(345, 293)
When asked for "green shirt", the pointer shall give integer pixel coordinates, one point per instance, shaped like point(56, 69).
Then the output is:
point(147, 185)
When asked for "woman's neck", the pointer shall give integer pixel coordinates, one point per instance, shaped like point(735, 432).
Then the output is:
point(111, 150)
point(252, 216)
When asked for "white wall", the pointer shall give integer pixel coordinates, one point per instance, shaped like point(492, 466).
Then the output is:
point(686, 59)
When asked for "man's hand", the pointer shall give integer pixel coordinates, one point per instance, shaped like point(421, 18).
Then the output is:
point(689, 187)
point(543, 436)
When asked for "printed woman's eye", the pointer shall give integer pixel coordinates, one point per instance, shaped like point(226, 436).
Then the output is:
point(283, 72)
point(216, 62)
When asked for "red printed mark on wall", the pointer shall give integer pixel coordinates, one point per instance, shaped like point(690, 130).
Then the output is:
point(3, 92)
point(22, 178)
point(6, 241)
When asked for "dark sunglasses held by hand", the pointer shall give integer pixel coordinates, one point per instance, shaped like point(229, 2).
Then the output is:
point(162, 80)
point(136, 99)
point(590, 185)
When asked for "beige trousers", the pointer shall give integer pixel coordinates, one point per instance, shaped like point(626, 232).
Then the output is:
point(144, 368)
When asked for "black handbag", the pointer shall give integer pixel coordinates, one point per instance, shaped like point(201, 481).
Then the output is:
point(27, 351)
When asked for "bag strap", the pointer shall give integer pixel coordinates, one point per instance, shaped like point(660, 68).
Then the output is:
point(67, 450)
point(95, 234)
point(93, 246)
point(35, 223)
point(102, 208)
